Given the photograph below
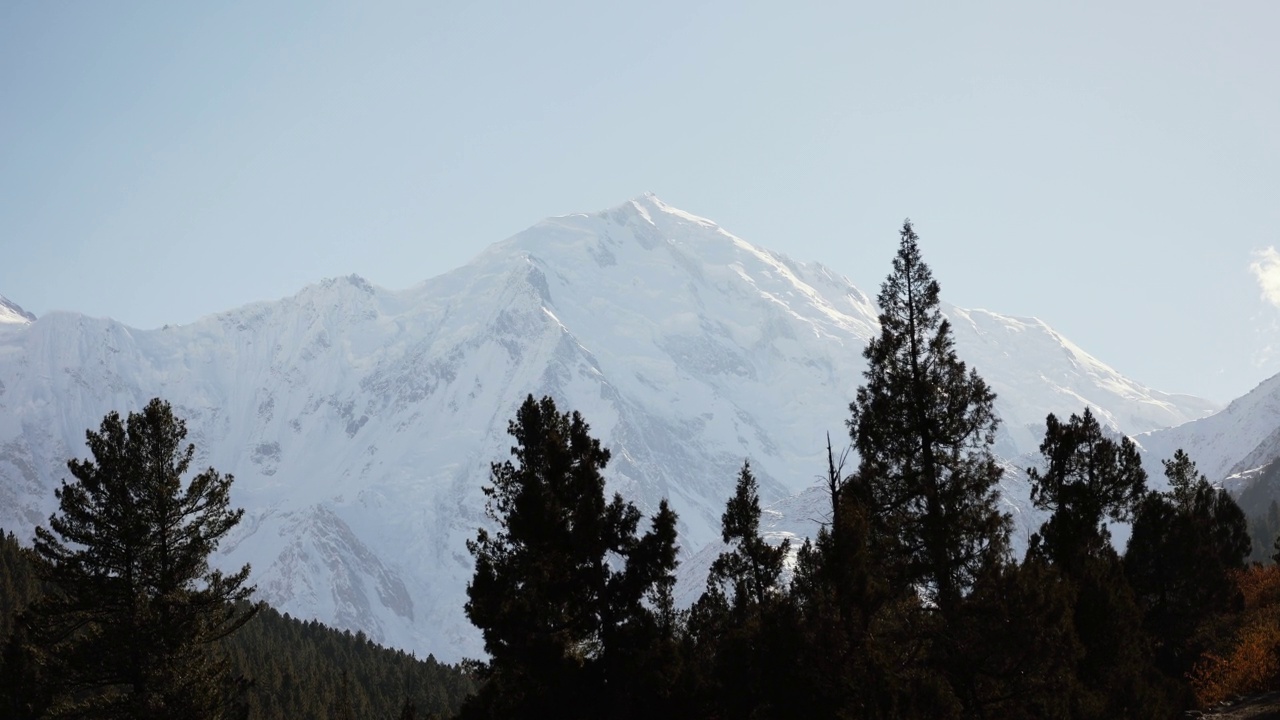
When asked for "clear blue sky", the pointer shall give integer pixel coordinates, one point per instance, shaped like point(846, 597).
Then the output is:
point(1112, 168)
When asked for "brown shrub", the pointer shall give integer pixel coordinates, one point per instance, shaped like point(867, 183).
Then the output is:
point(1250, 662)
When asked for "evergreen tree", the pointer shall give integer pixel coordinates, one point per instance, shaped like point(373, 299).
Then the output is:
point(1088, 478)
point(638, 649)
point(737, 619)
point(859, 643)
point(17, 581)
point(1181, 554)
point(923, 425)
point(1019, 643)
point(23, 691)
point(564, 589)
point(126, 628)
point(918, 522)
point(751, 567)
point(1185, 481)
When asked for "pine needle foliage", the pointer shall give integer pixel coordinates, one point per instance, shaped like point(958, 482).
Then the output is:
point(570, 598)
point(133, 608)
point(923, 425)
point(1088, 478)
point(751, 567)
point(1182, 553)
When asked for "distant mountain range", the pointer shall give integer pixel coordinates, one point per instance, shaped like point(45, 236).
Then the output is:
point(360, 422)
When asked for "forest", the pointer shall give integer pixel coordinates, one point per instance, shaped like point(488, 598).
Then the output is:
point(908, 603)
point(277, 666)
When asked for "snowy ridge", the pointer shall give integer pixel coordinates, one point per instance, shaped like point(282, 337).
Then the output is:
point(12, 314)
point(1024, 358)
point(360, 422)
point(1239, 439)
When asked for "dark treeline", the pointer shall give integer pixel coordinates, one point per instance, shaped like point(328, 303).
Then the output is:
point(306, 669)
point(908, 603)
point(114, 611)
point(281, 667)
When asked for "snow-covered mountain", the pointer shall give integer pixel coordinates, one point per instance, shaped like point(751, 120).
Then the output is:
point(360, 422)
point(1229, 446)
point(12, 314)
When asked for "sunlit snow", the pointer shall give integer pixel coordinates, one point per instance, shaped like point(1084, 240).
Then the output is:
point(360, 423)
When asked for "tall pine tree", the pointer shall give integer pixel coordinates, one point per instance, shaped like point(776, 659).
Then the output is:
point(126, 628)
point(750, 568)
point(569, 597)
point(923, 425)
point(740, 624)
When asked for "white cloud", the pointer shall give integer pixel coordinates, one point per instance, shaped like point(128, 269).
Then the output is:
point(1266, 269)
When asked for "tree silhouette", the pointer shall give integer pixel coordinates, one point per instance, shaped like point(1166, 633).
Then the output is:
point(1183, 550)
point(559, 589)
point(133, 607)
point(923, 425)
point(1088, 478)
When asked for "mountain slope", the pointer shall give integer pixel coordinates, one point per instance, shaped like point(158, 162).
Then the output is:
point(1230, 444)
point(360, 422)
point(12, 314)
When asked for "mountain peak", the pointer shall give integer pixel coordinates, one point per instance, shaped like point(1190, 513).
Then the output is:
point(649, 204)
point(12, 313)
point(361, 423)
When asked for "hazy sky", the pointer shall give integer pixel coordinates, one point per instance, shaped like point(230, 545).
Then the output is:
point(1111, 168)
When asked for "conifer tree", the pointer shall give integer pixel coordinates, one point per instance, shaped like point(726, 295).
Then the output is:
point(1020, 644)
point(1184, 545)
point(751, 566)
point(565, 588)
point(842, 601)
point(1088, 478)
point(923, 425)
point(126, 628)
point(736, 621)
